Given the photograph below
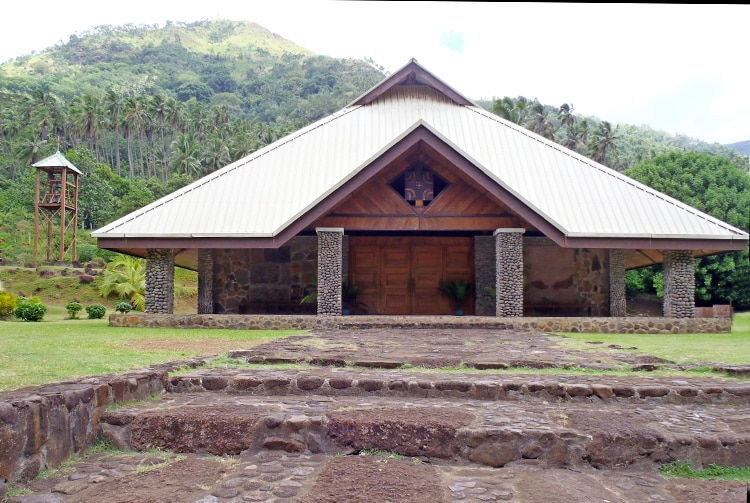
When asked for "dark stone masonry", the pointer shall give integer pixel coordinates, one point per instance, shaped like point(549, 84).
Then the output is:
point(159, 281)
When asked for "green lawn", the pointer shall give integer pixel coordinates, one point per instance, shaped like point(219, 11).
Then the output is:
point(59, 349)
point(732, 348)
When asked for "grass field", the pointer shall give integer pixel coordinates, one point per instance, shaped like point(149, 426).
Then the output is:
point(58, 349)
point(687, 349)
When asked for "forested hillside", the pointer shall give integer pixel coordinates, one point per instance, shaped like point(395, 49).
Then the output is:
point(144, 110)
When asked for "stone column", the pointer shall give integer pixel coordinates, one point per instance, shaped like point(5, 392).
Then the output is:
point(330, 265)
point(617, 284)
point(679, 284)
point(205, 281)
point(484, 276)
point(159, 281)
point(509, 272)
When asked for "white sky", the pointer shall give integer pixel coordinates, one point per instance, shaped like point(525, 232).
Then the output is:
point(683, 69)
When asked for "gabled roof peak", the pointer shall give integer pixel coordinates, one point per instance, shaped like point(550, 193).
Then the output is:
point(412, 74)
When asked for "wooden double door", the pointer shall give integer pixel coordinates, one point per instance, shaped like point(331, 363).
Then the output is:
point(402, 275)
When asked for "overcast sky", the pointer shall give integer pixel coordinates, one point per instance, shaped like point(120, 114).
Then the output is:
point(683, 69)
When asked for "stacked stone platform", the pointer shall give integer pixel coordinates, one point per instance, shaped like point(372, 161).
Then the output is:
point(231, 435)
point(571, 422)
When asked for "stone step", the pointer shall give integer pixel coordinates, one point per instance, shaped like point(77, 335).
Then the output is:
point(552, 388)
point(488, 433)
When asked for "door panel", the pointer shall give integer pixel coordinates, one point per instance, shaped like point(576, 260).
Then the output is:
point(402, 275)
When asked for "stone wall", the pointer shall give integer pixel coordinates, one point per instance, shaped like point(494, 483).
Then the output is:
point(41, 429)
point(565, 281)
point(271, 280)
point(635, 325)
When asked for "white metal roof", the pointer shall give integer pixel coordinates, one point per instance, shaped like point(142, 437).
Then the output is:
point(264, 193)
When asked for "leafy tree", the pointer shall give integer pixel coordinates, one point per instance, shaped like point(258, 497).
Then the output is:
point(199, 91)
point(716, 186)
point(73, 309)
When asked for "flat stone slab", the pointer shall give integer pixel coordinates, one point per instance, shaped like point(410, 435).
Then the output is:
point(482, 348)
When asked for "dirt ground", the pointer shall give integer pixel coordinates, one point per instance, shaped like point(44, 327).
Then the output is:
point(376, 479)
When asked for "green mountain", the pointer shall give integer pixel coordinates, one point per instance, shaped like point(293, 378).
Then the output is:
point(255, 73)
point(743, 147)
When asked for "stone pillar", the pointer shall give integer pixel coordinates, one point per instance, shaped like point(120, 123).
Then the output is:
point(159, 281)
point(679, 284)
point(205, 281)
point(484, 276)
point(617, 284)
point(330, 268)
point(509, 272)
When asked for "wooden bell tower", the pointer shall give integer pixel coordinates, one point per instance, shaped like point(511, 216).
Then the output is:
point(57, 202)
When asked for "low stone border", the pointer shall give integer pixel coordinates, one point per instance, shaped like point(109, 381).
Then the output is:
point(41, 427)
point(308, 322)
point(272, 383)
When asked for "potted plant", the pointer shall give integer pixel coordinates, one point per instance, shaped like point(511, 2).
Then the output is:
point(349, 301)
point(457, 291)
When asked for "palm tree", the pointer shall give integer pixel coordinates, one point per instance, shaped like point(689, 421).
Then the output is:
point(215, 155)
point(112, 107)
point(135, 121)
point(85, 112)
point(515, 111)
point(186, 155)
point(31, 151)
point(126, 277)
point(603, 142)
point(538, 121)
point(43, 108)
point(158, 112)
point(243, 143)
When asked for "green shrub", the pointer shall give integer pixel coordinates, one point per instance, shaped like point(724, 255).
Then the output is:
point(96, 311)
point(86, 253)
point(123, 307)
point(73, 309)
point(8, 303)
point(30, 309)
